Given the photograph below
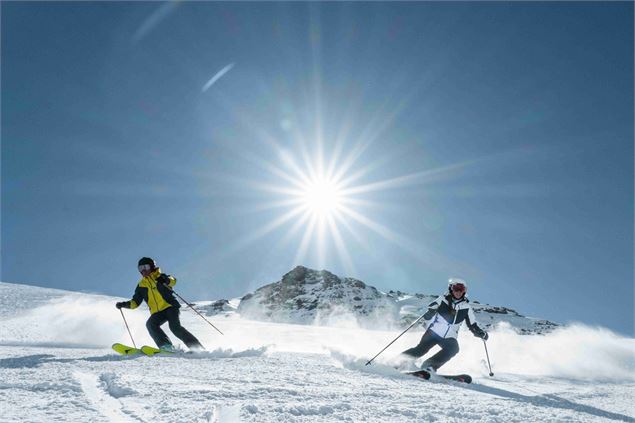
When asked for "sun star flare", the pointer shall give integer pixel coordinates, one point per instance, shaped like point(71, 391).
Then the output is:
point(322, 197)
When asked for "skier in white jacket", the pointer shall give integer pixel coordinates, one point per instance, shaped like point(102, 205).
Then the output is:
point(446, 313)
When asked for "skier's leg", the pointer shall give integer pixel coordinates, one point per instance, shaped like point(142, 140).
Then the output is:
point(179, 331)
point(154, 328)
point(428, 340)
point(449, 348)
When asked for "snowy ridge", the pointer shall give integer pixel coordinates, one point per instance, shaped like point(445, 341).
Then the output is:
point(55, 318)
point(307, 296)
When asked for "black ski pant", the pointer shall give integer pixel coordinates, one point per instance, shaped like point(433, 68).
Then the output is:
point(449, 348)
point(170, 315)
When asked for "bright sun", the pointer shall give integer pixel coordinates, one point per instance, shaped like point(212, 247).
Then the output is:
point(322, 197)
point(328, 205)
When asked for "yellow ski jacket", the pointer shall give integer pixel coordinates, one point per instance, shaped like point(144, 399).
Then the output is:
point(155, 289)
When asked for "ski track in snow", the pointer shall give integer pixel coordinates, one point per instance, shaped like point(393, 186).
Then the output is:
point(104, 401)
point(266, 372)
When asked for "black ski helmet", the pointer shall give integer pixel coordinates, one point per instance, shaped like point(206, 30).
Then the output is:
point(147, 260)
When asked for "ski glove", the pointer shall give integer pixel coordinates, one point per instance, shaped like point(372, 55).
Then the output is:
point(123, 304)
point(479, 333)
point(429, 314)
point(163, 279)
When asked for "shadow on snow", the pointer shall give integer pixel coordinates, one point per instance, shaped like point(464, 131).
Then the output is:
point(550, 400)
point(36, 360)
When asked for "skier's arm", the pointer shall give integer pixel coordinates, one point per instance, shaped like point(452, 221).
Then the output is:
point(167, 280)
point(137, 298)
point(135, 302)
point(432, 308)
point(474, 327)
point(172, 281)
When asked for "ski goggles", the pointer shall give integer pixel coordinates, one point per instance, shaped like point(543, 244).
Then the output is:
point(144, 267)
point(458, 287)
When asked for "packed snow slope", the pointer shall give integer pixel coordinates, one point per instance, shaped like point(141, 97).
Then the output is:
point(56, 365)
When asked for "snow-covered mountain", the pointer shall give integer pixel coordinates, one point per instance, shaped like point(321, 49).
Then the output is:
point(310, 296)
point(304, 295)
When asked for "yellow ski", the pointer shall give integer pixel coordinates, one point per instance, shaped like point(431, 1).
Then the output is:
point(148, 350)
point(125, 349)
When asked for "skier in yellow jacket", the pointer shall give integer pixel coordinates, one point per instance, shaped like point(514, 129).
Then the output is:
point(155, 288)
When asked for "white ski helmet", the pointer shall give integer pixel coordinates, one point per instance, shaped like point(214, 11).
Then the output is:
point(457, 283)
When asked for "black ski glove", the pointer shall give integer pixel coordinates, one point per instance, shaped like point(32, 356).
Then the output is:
point(123, 304)
point(479, 333)
point(163, 279)
point(429, 314)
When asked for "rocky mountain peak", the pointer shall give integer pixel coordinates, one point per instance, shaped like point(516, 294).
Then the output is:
point(304, 294)
point(305, 276)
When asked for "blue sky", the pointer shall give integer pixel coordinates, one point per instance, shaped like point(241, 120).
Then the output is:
point(491, 141)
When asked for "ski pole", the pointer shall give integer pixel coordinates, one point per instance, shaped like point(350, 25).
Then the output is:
point(407, 329)
point(195, 310)
point(129, 333)
point(487, 355)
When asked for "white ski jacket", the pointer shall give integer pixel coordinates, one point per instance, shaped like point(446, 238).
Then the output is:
point(446, 315)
